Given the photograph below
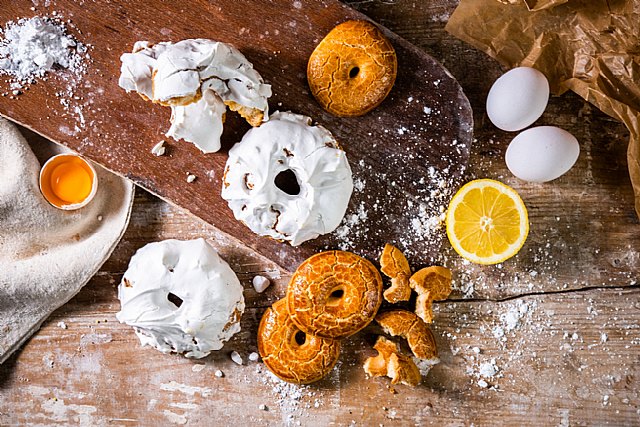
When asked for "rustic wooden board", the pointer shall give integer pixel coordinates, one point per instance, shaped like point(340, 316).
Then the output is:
point(425, 123)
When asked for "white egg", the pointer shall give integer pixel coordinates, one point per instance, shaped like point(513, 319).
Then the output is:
point(518, 98)
point(542, 153)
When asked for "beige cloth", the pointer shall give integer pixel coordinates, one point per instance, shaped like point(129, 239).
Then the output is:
point(47, 255)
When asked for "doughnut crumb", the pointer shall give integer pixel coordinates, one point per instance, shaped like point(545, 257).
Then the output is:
point(409, 326)
point(394, 265)
point(390, 362)
point(432, 284)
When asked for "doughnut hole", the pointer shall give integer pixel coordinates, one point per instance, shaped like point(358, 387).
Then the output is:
point(299, 339)
point(287, 181)
point(335, 297)
point(174, 299)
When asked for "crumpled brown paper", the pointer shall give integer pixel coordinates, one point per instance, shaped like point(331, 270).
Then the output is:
point(591, 47)
point(542, 4)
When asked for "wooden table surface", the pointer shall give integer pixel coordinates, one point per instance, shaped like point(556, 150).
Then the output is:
point(551, 337)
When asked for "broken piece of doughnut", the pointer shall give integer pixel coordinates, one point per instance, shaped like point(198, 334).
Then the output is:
point(198, 79)
point(394, 265)
point(353, 69)
point(409, 326)
point(432, 284)
point(334, 294)
point(291, 354)
point(393, 364)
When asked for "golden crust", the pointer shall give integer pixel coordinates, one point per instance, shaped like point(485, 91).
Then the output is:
point(409, 326)
point(432, 284)
point(334, 294)
point(394, 265)
point(285, 356)
point(353, 69)
point(253, 116)
point(393, 364)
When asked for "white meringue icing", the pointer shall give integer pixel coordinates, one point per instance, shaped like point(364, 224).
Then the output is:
point(181, 74)
point(199, 122)
point(288, 142)
point(137, 67)
point(211, 294)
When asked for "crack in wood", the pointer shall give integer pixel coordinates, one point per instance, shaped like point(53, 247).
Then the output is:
point(536, 294)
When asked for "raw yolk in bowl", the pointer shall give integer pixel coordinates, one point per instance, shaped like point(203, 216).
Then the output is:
point(71, 182)
point(67, 180)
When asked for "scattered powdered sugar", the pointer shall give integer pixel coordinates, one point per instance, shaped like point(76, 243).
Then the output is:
point(488, 369)
point(353, 225)
point(31, 47)
point(510, 319)
point(288, 396)
point(502, 331)
point(426, 215)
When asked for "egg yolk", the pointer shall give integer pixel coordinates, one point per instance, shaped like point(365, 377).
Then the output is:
point(71, 182)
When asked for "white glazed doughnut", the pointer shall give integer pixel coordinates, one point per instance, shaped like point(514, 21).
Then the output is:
point(181, 297)
point(198, 78)
point(285, 145)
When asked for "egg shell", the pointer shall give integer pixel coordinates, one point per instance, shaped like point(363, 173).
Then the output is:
point(518, 98)
point(542, 153)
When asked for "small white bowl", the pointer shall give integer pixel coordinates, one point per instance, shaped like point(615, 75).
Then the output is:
point(45, 177)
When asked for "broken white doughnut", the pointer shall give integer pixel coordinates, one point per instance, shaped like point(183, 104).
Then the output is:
point(198, 78)
point(181, 297)
point(288, 180)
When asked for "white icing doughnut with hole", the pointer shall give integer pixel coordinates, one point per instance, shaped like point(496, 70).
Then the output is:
point(181, 297)
point(288, 180)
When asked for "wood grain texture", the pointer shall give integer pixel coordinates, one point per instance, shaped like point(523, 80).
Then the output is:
point(571, 357)
point(391, 148)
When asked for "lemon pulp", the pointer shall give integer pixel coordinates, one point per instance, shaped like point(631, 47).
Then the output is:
point(487, 222)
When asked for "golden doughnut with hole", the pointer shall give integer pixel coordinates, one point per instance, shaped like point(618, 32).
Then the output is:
point(291, 354)
point(334, 294)
point(353, 69)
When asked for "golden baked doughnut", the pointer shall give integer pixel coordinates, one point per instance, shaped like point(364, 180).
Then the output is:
point(352, 70)
point(334, 294)
point(291, 354)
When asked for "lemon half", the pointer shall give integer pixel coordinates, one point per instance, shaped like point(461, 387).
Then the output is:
point(487, 222)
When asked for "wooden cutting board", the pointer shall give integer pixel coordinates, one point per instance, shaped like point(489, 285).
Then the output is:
point(407, 155)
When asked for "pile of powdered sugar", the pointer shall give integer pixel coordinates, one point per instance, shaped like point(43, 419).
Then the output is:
point(33, 46)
